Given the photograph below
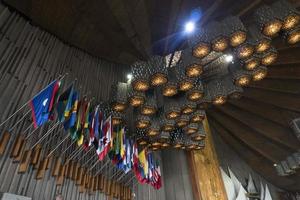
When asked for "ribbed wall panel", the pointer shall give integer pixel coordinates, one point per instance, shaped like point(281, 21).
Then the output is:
point(30, 59)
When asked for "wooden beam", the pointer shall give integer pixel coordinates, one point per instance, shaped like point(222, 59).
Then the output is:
point(208, 13)
point(265, 110)
point(265, 147)
point(286, 84)
point(284, 100)
point(264, 128)
point(256, 161)
point(209, 185)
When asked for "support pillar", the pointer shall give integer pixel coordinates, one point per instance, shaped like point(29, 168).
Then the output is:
point(205, 173)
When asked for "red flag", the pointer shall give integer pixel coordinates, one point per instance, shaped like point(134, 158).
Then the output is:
point(106, 139)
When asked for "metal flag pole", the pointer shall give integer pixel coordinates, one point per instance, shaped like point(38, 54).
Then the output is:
point(128, 182)
point(57, 146)
point(75, 154)
point(46, 134)
point(20, 120)
point(121, 177)
point(90, 169)
point(100, 170)
point(23, 106)
point(67, 148)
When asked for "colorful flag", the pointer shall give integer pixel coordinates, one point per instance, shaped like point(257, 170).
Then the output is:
point(64, 104)
point(106, 139)
point(42, 104)
point(71, 120)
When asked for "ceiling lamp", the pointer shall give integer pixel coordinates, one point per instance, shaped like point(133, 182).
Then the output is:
point(217, 34)
point(158, 71)
point(198, 116)
point(116, 118)
point(269, 24)
point(164, 139)
point(154, 128)
point(118, 96)
point(185, 83)
point(199, 135)
point(183, 121)
point(243, 80)
point(235, 30)
point(245, 51)
point(188, 107)
point(200, 145)
point(269, 57)
point(217, 91)
point(234, 91)
point(170, 88)
point(196, 93)
point(292, 36)
point(189, 65)
point(171, 108)
point(251, 63)
point(150, 105)
point(259, 74)
point(135, 98)
point(191, 128)
point(260, 42)
point(200, 43)
point(287, 13)
point(168, 125)
point(142, 122)
point(140, 75)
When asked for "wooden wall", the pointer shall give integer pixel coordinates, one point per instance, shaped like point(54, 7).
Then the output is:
point(31, 58)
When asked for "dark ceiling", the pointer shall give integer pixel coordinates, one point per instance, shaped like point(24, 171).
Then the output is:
point(256, 126)
point(124, 31)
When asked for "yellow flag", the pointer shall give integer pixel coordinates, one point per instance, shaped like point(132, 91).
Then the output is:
point(80, 140)
point(122, 147)
point(143, 160)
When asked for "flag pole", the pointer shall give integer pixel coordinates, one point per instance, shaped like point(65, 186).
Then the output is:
point(100, 170)
point(46, 134)
point(23, 106)
point(128, 182)
point(94, 165)
point(73, 156)
point(10, 129)
point(57, 146)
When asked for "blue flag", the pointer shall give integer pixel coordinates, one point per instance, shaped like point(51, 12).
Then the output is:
point(42, 104)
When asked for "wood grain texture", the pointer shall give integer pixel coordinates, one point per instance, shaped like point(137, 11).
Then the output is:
point(204, 165)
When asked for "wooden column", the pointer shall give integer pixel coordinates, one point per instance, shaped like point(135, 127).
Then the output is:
point(205, 173)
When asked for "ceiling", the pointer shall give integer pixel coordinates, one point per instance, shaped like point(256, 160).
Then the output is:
point(256, 126)
point(125, 32)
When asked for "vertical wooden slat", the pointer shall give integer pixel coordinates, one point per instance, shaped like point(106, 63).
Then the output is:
point(24, 164)
point(17, 146)
point(42, 168)
point(4, 142)
point(36, 155)
point(208, 185)
point(56, 167)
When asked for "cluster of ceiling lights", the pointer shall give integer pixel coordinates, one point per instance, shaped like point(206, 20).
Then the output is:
point(167, 103)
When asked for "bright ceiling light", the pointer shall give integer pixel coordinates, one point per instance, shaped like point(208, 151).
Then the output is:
point(129, 76)
point(189, 27)
point(228, 58)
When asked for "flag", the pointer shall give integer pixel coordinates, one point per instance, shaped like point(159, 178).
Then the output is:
point(143, 161)
point(122, 143)
point(42, 104)
point(106, 139)
point(71, 120)
point(64, 104)
point(76, 128)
